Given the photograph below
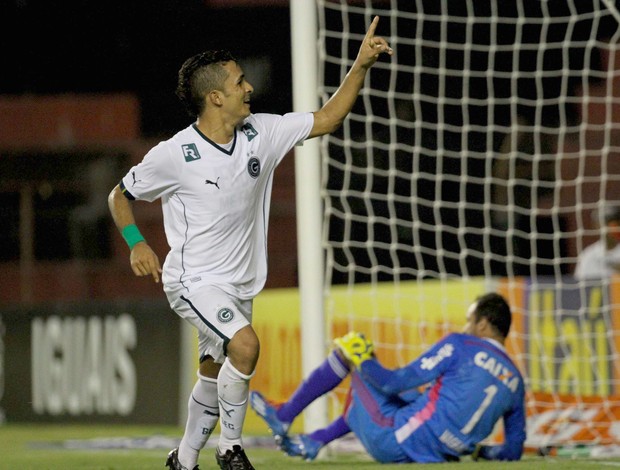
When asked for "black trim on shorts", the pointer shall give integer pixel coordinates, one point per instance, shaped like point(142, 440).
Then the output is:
point(209, 324)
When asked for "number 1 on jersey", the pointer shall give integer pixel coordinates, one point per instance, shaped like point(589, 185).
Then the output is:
point(490, 391)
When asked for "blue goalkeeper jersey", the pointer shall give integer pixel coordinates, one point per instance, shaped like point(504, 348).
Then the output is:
point(473, 383)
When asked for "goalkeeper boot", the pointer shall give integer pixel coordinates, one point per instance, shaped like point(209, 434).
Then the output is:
point(234, 459)
point(355, 347)
point(301, 446)
point(266, 410)
point(173, 461)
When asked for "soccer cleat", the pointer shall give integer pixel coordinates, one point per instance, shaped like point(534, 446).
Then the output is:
point(301, 446)
point(266, 410)
point(234, 459)
point(172, 462)
point(355, 347)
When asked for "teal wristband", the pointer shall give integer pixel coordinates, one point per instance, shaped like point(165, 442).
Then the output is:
point(132, 235)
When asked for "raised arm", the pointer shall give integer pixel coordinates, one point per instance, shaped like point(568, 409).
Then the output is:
point(331, 115)
point(143, 259)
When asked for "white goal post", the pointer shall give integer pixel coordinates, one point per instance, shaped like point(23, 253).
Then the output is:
point(480, 156)
point(309, 208)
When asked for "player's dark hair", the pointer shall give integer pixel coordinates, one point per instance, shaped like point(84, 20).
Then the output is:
point(496, 310)
point(611, 213)
point(199, 75)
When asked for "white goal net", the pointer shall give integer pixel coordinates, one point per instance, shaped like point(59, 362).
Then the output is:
point(476, 158)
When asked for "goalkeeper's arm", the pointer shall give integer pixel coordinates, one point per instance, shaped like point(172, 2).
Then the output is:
point(514, 431)
point(392, 382)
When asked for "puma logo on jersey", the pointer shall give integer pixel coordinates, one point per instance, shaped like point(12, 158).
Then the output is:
point(133, 175)
point(214, 183)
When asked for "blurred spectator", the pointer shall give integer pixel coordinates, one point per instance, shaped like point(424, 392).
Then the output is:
point(601, 259)
point(89, 223)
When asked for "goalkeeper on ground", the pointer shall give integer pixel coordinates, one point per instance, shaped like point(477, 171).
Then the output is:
point(472, 384)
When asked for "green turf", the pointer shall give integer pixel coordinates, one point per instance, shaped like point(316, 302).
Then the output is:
point(26, 447)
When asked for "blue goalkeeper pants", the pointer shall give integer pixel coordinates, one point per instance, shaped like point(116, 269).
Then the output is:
point(370, 415)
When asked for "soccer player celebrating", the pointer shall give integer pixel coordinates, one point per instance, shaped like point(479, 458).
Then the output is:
point(214, 180)
point(472, 383)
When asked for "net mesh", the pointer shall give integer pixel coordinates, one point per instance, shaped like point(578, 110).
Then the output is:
point(478, 157)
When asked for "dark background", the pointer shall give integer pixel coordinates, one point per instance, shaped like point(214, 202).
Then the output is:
point(134, 48)
point(138, 46)
point(81, 46)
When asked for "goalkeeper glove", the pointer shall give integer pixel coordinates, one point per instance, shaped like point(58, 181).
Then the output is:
point(355, 347)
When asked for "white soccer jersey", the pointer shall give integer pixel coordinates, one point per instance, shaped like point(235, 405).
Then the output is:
point(597, 262)
point(216, 201)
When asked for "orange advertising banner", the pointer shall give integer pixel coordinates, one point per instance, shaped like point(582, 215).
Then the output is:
point(565, 339)
point(556, 420)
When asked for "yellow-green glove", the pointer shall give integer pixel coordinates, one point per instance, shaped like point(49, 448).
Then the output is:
point(355, 347)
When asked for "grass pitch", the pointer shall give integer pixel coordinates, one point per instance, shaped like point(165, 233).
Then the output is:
point(67, 447)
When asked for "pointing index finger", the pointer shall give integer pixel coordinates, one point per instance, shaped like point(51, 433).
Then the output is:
point(373, 26)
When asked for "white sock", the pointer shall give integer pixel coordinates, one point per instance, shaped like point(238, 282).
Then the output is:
point(232, 389)
point(203, 415)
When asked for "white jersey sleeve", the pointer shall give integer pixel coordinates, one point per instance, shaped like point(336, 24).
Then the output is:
point(155, 176)
point(284, 132)
point(597, 262)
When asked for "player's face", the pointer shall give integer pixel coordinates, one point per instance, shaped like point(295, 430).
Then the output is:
point(237, 91)
point(471, 325)
point(613, 232)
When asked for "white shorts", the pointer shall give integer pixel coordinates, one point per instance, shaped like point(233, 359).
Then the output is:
point(216, 315)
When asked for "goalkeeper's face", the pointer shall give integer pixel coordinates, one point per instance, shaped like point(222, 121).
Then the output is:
point(472, 325)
